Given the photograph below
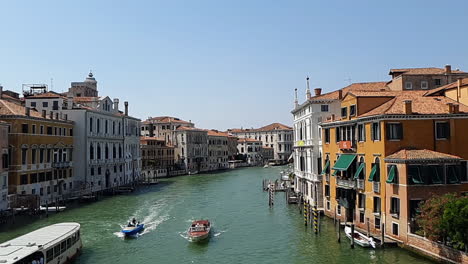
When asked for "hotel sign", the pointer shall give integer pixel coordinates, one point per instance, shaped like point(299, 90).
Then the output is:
point(345, 145)
point(300, 143)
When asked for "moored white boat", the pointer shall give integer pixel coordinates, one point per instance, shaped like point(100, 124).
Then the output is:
point(58, 243)
point(359, 238)
point(199, 230)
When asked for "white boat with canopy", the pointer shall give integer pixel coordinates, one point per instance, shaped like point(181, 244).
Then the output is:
point(58, 243)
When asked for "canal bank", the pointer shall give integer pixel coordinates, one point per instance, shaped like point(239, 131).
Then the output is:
point(245, 229)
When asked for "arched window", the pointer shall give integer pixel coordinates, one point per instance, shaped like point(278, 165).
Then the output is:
point(120, 151)
point(91, 152)
point(98, 151)
point(114, 152)
point(107, 152)
point(377, 171)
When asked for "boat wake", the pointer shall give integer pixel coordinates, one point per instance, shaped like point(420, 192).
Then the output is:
point(151, 216)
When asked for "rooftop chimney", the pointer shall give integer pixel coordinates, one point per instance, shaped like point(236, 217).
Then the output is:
point(69, 102)
point(333, 117)
point(456, 108)
point(116, 104)
point(44, 114)
point(408, 108)
point(51, 115)
point(308, 95)
point(318, 91)
point(1, 91)
point(448, 69)
point(450, 108)
point(27, 111)
point(57, 116)
point(340, 94)
point(126, 108)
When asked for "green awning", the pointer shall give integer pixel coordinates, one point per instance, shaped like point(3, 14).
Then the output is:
point(326, 167)
point(372, 173)
point(359, 170)
point(334, 173)
point(391, 175)
point(344, 161)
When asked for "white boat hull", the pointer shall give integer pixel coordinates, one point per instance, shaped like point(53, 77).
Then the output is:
point(360, 238)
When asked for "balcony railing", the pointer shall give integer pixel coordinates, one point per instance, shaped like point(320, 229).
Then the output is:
point(62, 164)
point(376, 187)
point(360, 184)
point(346, 183)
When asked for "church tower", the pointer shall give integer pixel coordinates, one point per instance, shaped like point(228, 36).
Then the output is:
point(88, 88)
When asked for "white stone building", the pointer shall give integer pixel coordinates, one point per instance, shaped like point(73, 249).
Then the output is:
point(191, 149)
point(252, 149)
point(4, 166)
point(106, 139)
point(276, 135)
point(217, 150)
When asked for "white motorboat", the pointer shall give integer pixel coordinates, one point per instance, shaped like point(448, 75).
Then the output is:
point(359, 238)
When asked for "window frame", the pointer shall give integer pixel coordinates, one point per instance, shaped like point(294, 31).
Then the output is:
point(410, 85)
point(399, 131)
point(426, 86)
point(323, 106)
point(351, 108)
point(436, 130)
point(344, 111)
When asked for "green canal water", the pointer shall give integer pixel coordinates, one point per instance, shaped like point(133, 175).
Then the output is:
point(245, 229)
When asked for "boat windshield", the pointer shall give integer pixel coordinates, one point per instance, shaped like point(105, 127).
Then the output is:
point(197, 228)
point(34, 258)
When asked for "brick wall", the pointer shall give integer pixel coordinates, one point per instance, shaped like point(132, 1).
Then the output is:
point(436, 250)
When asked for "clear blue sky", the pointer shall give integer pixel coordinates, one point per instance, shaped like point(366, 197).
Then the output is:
point(224, 63)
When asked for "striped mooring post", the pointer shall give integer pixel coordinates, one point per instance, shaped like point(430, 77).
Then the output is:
point(315, 220)
point(305, 213)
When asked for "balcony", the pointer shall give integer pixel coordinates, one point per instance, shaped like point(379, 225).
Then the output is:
point(376, 187)
point(62, 164)
point(360, 184)
point(345, 183)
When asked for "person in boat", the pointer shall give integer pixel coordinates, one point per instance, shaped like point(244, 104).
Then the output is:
point(134, 222)
point(130, 224)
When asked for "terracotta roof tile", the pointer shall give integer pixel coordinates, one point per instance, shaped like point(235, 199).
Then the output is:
point(217, 133)
point(366, 86)
point(9, 108)
point(421, 71)
point(420, 154)
point(448, 86)
point(50, 94)
point(166, 119)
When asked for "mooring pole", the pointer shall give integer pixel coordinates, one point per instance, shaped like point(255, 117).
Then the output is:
point(352, 235)
point(315, 220)
point(305, 214)
point(383, 235)
point(339, 230)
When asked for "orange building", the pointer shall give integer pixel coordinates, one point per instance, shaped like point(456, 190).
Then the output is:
point(41, 152)
point(388, 151)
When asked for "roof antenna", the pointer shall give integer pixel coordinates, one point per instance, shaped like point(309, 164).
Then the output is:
point(296, 103)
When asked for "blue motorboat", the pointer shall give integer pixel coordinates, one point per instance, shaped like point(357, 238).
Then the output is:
point(133, 230)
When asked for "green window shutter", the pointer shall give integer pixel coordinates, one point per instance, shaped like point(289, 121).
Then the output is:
point(334, 173)
point(391, 175)
point(359, 170)
point(326, 167)
point(372, 173)
point(344, 161)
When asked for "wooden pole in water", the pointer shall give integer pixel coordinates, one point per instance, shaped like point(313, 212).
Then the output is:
point(47, 209)
point(334, 218)
point(368, 228)
point(352, 235)
point(383, 235)
point(339, 230)
point(315, 220)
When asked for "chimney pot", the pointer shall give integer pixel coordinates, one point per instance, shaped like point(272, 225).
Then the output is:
point(27, 110)
point(56, 116)
point(333, 117)
point(1, 91)
point(450, 108)
point(51, 115)
point(340, 94)
point(408, 108)
point(126, 108)
point(448, 69)
point(456, 108)
point(318, 91)
point(44, 113)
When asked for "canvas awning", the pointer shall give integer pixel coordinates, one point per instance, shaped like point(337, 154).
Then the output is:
point(326, 167)
point(344, 161)
point(372, 173)
point(359, 170)
point(391, 175)
point(334, 172)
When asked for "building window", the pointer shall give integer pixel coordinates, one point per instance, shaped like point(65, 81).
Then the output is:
point(375, 135)
point(395, 206)
point(55, 105)
point(424, 85)
point(98, 126)
point(361, 200)
point(338, 134)
point(361, 217)
point(328, 205)
point(408, 85)
point(327, 190)
point(344, 112)
point(49, 130)
point(24, 128)
point(24, 179)
point(33, 104)
point(437, 82)
point(394, 131)
point(377, 223)
point(33, 129)
point(324, 108)
point(377, 204)
point(45, 104)
point(352, 110)
point(326, 131)
point(361, 132)
point(442, 130)
point(338, 210)
point(24, 155)
point(395, 229)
